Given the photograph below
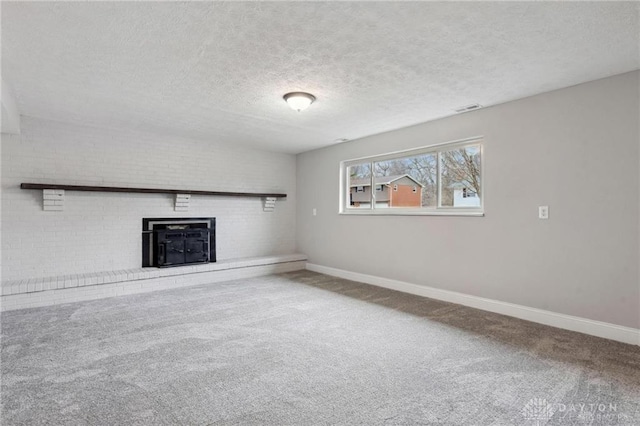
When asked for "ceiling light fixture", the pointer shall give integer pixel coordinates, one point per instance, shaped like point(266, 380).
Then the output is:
point(299, 101)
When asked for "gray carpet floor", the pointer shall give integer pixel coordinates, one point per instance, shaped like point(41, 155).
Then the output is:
point(304, 349)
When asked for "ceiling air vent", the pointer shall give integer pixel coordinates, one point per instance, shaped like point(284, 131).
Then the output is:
point(468, 108)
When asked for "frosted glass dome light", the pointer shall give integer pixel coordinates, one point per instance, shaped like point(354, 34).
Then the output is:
point(299, 101)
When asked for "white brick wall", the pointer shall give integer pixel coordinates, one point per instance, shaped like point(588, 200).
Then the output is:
point(102, 231)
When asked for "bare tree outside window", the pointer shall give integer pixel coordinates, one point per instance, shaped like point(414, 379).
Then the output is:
point(360, 171)
point(460, 173)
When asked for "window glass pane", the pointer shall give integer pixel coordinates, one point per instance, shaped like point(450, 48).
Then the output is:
point(407, 182)
point(359, 190)
point(425, 179)
point(460, 177)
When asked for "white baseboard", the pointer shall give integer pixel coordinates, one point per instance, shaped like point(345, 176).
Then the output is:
point(567, 322)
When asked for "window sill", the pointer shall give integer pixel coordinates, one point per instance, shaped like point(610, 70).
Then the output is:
point(402, 212)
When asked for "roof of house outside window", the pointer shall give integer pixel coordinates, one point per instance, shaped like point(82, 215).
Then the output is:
point(381, 180)
point(461, 185)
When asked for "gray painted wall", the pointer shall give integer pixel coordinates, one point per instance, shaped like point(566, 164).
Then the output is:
point(574, 149)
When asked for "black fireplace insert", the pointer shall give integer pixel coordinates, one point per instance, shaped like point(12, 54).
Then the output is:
point(178, 241)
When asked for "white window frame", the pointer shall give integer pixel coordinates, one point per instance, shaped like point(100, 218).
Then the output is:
point(412, 211)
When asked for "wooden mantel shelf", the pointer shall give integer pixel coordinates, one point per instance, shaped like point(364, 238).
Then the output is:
point(147, 190)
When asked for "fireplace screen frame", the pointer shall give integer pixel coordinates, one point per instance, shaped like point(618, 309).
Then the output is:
point(149, 225)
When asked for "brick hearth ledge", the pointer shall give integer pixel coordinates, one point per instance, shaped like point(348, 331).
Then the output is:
point(34, 292)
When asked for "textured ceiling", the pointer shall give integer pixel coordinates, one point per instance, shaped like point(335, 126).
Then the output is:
point(218, 70)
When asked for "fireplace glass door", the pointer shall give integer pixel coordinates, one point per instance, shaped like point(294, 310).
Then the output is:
point(179, 247)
